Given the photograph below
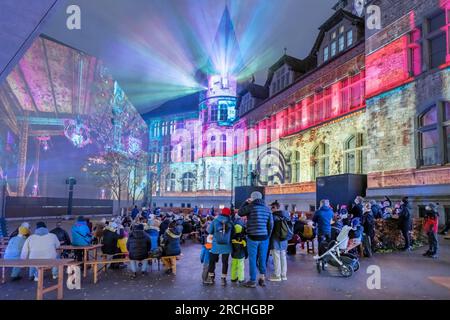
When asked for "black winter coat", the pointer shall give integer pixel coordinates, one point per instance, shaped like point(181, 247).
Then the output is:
point(404, 217)
point(138, 245)
point(62, 236)
point(357, 211)
point(110, 242)
point(239, 246)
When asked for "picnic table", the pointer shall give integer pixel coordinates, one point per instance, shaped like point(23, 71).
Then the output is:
point(41, 265)
point(86, 251)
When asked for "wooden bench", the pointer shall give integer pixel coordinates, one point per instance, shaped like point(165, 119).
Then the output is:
point(86, 250)
point(102, 265)
point(41, 265)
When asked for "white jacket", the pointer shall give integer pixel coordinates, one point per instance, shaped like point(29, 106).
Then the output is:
point(40, 246)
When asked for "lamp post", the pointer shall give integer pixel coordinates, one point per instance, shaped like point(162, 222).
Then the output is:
point(71, 181)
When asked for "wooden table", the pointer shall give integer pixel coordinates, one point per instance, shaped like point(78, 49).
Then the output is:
point(86, 251)
point(41, 265)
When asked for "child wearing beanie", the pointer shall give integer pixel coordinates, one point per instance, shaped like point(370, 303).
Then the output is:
point(238, 255)
point(204, 256)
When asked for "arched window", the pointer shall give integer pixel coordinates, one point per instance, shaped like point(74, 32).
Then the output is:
point(188, 182)
point(223, 142)
point(213, 146)
point(295, 178)
point(221, 178)
point(212, 179)
point(321, 161)
point(355, 154)
point(170, 182)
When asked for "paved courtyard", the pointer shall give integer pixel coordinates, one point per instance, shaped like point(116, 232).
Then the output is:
point(403, 276)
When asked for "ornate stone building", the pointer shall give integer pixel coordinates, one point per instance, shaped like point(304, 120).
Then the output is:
point(369, 101)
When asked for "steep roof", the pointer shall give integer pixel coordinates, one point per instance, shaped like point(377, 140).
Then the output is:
point(297, 65)
point(183, 104)
point(257, 91)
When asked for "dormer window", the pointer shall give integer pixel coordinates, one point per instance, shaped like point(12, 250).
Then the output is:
point(333, 35)
point(333, 48)
point(341, 43)
point(349, 38)
point(341, 29)
point(246, 103)
point(280, 80)
point(326, 54)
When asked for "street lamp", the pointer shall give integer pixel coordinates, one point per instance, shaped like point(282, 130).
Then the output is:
point(71, 181)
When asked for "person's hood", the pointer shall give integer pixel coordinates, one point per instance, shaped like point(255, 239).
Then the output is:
point(173, 233)
point(41, 231)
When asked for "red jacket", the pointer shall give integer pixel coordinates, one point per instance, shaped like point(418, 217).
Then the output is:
point(431, 224)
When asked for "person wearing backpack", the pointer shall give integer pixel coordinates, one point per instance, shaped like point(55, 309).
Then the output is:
point(259, 229)
point(222, 230)
point(282, 232)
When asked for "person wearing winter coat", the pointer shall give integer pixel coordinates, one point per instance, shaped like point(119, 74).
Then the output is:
point(152, 229)
point(63, 238)
point(405, 222)
point(14, 250)
point(357, 209)
point(322, 218)
point(81, 234)
point(134, 212)
point(430, 227)
point(238, 255)
point(138, 246)
point(171, 248)
point(259, 229)
point(41, 245)
point(222, 230)
point(204, 256)
point(111, 236)
point(278, 246)
point(368, 223)
point(376, 209)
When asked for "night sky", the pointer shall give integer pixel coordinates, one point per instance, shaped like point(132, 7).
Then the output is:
point(159, 43)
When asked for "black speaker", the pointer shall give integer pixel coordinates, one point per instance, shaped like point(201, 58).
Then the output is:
point(243, 193)
point(340, 189)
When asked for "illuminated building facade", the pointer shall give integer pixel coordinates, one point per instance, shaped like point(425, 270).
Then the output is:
point(363, 101)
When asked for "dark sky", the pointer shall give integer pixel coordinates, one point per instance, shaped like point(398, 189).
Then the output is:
point(152, 47)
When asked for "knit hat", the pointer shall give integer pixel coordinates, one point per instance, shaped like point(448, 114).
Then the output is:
point(24, 231)
point(237, 228)
point(41, 224)
point(226, 211)
point(256, 195)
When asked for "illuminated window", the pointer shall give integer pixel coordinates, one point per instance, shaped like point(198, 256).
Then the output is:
point(188, 182)
point(341, 43)
point(434, 135)
point(355, 153)
point(326, 54)
point(333, 48)
point(321, 161)
point(170, 182)
point(296, 168)
point(349, 38)
point(214, 113)
point(223, 112)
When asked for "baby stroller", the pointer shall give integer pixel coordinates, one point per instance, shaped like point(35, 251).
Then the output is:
point(333, 253)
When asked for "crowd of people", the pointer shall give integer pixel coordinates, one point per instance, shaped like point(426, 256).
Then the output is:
point(255, 232)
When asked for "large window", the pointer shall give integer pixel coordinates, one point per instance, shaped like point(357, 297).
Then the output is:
point(170, 182)
point(436, 40)
point(188, 182)
point(214, 113)
point(349, 38)
point(434, 135)
point(355, 154)
point(281, 79)
point(296, 168)
point(333, 48)
point(321, 161)
point(341, 43)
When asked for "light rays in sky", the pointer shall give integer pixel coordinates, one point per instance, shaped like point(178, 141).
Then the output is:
point(180, 37)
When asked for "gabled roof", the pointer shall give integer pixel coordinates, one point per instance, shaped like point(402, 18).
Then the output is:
point(297, 65)
point(335, 19)
point(184, 104)
point(256, 91)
